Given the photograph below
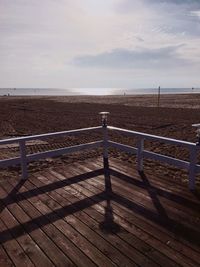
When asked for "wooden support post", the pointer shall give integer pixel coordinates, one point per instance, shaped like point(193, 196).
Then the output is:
point(140, 147)
point(22, 146)
point(192, 168)
point(108, 185)
point(105, 146)
point(104, 115)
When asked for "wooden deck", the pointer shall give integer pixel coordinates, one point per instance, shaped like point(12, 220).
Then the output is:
point(78, 215)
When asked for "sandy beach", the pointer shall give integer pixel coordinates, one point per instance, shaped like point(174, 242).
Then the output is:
point(20, 116)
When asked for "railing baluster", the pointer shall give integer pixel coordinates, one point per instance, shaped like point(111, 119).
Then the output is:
point(140, 147)
point(192, 167)
point(22, 146)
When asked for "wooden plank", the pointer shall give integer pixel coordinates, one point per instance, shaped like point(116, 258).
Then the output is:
point(87, 193)
point(156, 206)
point(165, 230)
point(5, 260)
point(68, 231)
point(14, 250)
point(30, 226)
point(29, 246)
point(147, 198)
point(55, 199)
point(134, 242)
point(114, 240)
point(74, 236)
point(180, 258)
point(155, 243)
point(147, 191)
point(92, 191)
point(162, 182)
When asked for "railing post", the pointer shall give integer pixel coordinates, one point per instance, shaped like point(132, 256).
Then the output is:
point(105, 142)
point(140, 147)
point(192, 167)
point(22, 146)
point(105, 138)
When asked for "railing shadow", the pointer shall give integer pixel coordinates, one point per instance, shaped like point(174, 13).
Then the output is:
point(156, 190)
point(196, 194)
point(153, 195)
point(160, 217)
point(10, 198)
point(14, 196)
point(7, 199)
point(108, 226)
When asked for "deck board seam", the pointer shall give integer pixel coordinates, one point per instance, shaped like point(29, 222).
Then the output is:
point(86, 224)
point(87, 188)
point(56, 227)
point(153, 236)
point(152, 225)
point(145, 194)
point(97, 232)
point(9, 230)
point(48, 236)
point(2, 245)
point(124, 219)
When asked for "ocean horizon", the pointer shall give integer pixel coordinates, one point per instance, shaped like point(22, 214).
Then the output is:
point(91, 91)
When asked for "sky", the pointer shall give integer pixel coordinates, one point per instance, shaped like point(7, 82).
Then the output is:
point(99, 44)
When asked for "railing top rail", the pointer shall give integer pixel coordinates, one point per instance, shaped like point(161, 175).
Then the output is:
point(47, 135)
point(155, 137)
point(125, 131)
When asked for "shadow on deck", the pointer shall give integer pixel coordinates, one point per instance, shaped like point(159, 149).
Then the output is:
point(86, 215)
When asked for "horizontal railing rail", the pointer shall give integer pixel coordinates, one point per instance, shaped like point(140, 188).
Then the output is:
point(62, 151)
point(48, 135)
point(151, 155)
point(154, 137)
point(51, 153)
point(191, 166)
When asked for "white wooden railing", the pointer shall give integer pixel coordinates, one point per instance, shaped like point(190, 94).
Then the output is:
point(191, 166)
point(25, 158)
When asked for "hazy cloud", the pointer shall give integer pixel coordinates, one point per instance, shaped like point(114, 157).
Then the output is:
point(178, 16)
point(181, 2)
point(140, 58)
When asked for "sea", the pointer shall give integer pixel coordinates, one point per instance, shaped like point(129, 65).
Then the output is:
point(93, 91)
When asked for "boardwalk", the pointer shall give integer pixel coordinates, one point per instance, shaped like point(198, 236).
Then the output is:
point(79, 215)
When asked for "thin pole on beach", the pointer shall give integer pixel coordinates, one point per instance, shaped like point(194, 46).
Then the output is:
point(158, 96)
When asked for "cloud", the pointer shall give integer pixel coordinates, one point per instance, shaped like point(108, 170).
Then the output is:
point(139, 58)
point(178, 16)
point(182, 2)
